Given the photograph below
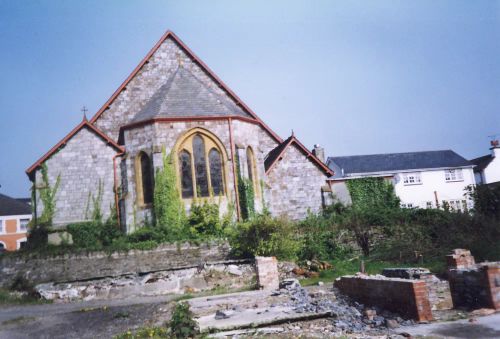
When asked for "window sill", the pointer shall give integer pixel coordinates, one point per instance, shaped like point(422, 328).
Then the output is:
point(413, 184)
point(145, 206)
point(460, 180)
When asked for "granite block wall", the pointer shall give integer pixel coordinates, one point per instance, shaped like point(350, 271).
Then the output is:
point(82, 164)
point(295, 185)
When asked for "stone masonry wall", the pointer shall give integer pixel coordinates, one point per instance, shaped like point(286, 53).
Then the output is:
point(141, 88)
point(82, 163)
point(409, 298)
point(153, 138)
point(295, 185)
point(69, 267)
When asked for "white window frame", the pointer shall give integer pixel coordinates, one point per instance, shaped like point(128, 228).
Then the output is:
point(429, 204)
point(407, 205)
point(19, 229)
point(413, 178)
point(457, 205)
point(453, 175)
point(2, 223)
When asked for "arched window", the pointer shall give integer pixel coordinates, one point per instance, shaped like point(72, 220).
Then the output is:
point(201, 165)
point(252, 169)
point(144, 183)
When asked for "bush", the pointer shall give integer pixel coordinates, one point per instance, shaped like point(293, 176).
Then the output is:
point(182, 324)
point(204, 220)
point(86, 234)
point(266, 236)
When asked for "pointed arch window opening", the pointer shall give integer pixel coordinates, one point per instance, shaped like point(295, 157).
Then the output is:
point(144, 182)
point(201, 167)
point(252, 169)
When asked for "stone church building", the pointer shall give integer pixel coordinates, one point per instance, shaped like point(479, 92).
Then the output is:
point(172, 101)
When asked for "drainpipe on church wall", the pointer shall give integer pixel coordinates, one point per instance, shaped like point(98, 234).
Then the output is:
point(115, 179)
point(233, 160)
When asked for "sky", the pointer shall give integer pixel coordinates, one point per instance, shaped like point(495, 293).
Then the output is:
point(356, 77)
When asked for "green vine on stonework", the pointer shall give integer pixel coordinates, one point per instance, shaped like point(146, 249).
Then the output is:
point(246, 193)
point(96, 203)
point(369, 193)
point(48, 197)
point(168, 206)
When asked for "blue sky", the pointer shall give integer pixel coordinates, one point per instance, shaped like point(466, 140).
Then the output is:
point(357, 77)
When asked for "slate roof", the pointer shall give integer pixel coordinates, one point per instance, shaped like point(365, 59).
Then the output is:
point(398, 161)
point(184, 95)
point(481, 162)
point(11, 206)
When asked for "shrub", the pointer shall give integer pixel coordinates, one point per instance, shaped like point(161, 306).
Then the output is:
point(182, 324)
point(204, 220)
point(86, 234)
point(266, 236)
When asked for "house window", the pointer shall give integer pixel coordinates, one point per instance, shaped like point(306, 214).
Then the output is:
point(428, 204)
point(200, 164)
point(2, 247)
point(144, 182)
point(21, 243)
point(456, 205)
point(412, 178)
point(407, 205)
point(23, 225)
point(453, 175)
point(1, 226)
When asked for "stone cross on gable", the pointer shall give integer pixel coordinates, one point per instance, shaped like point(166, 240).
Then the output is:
point(84, 110)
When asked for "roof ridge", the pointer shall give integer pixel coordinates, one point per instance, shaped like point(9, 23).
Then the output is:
point(393, 153)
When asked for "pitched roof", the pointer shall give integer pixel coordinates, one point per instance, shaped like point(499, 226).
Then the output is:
point(481, 162)
point(218, 81)
point(184, 95)
point(398, 161)
point(83, 124)
point(277, 153)
point(11, 206)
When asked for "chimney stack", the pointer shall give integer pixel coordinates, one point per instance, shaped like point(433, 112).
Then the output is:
point(319, 152)
point(495, 146)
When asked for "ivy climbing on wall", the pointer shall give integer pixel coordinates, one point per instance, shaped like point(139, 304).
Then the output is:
point(48, 197)
point(246, 193)
point(168, 206)
point(369, 193)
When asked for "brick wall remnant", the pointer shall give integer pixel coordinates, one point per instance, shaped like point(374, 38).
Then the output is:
point(267, 273)
point(438, 290)
point(460, 258)
point(407, 297)
point(473, 285)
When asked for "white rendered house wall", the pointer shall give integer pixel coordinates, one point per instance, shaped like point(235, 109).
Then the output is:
point(420, 193)
point(492, 172)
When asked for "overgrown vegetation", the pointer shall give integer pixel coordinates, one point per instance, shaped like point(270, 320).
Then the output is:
point(168, 206)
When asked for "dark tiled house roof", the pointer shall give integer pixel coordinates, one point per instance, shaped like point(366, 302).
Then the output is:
point(184, 95)
point(11, 206)
point(481, 162)
point(397, 161)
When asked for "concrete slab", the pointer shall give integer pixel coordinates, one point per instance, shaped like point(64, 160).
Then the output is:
point(258, 317)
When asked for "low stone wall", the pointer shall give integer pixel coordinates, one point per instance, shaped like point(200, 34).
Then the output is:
point(78, 267)
point(230, 276)
point(409, 298)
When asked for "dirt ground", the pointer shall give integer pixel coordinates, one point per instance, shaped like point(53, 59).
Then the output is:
point(82, 319)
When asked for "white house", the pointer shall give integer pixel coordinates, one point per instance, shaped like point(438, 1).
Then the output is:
point(487, 169)
point(421, 179)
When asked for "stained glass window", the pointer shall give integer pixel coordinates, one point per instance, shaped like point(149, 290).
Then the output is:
point(186, 174)
point(147, 179)
point(250, 164)
point(200, 166)
point(216, 171)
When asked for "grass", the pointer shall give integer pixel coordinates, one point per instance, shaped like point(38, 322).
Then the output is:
point(352, 266)
point(9, 298)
